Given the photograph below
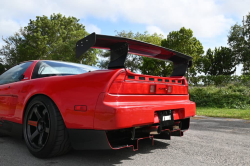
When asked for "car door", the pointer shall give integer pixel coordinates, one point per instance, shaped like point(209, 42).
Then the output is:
point(8, 100)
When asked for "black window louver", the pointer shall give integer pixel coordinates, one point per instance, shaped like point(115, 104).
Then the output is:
point(141, 78)
point(131, 77)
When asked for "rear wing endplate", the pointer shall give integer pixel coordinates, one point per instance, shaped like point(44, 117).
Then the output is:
point(120, 47)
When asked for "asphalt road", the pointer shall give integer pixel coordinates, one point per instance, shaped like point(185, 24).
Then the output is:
point(210, 141)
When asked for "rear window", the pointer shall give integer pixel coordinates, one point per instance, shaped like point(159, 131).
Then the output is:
point(52, 68)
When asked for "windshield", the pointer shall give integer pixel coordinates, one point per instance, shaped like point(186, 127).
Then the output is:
point(15, 73)
point(50, 68)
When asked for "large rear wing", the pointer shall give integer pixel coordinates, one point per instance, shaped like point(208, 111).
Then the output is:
point(120, 47)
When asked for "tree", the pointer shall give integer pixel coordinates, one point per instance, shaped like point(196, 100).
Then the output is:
point(219, 62)
point(151, 66)
point(239, 42)
point(2, 68)
point(183, 41)
point(47, 38)
point(10, 52)
point(134, 62)
point(156, 67)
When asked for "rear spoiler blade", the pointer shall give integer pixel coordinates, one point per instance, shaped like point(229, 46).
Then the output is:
point(120, 47)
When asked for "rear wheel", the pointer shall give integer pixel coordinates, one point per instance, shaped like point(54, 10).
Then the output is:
point(3, 135)
point(44, 130)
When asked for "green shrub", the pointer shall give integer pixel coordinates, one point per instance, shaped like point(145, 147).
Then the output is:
point(230, 96)
point(220, 80)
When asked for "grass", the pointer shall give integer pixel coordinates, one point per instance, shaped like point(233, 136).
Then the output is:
point(224, 112)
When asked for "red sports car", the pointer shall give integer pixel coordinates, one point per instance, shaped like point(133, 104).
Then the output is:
point(58, 105)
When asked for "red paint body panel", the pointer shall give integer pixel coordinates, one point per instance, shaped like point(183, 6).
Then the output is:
point(105, 111)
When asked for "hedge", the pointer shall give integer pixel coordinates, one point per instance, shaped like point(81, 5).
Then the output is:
point(220, 80)
point(229, 96)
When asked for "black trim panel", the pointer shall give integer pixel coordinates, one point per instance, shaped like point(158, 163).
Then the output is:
point(11, 128)
point(88, 139)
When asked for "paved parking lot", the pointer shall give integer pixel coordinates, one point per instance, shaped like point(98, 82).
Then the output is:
point(210, 141)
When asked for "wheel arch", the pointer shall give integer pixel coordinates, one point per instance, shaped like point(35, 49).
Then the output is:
point(32, 97)
point(57, 140)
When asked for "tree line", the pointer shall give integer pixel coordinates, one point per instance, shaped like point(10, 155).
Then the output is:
point(54, 38)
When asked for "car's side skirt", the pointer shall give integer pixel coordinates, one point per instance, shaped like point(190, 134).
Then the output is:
point(11, 128)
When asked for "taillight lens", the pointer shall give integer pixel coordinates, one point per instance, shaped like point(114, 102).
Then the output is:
point(121, 85)
point(117, 85)
point(156, 118)
point(120, 77)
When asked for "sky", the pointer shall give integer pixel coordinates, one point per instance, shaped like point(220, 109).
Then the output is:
point(210, 20)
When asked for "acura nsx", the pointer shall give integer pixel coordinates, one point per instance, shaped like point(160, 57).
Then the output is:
point(55, 106)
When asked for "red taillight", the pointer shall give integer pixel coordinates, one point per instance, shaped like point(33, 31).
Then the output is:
point(128, 84)
point(120, 77)
point(117, 84)
point(156, 118)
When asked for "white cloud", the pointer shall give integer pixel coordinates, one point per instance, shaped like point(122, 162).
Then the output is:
point(235, 8)
point(92, 28)
point(209, 19)
point(154, 29)
point(202, 16)
point(238, 69)
point(1, 43)
point(8, 27)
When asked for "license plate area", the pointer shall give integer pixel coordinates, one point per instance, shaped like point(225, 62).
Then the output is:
point(166, 118)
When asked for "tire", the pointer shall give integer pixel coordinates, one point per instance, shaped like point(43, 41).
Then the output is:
point(3, 135)
point(44, 131)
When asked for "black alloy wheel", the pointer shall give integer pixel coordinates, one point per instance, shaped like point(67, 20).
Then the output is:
point(44, 131)
point(38, 126)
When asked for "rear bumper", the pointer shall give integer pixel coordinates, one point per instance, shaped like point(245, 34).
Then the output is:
point(128, 111)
